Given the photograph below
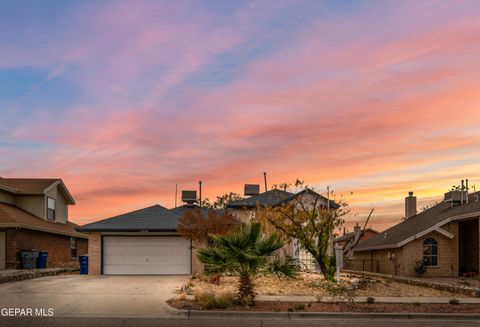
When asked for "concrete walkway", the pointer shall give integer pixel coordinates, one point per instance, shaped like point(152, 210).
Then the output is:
point(360, 299)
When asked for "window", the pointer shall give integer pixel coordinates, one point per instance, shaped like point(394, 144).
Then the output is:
point(73, 247)
point(430, 252)
point(50, 209)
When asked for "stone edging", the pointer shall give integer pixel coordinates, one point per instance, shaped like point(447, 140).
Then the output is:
point(12, 276)
point(445, 286)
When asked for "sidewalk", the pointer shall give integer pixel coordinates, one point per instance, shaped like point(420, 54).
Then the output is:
point(361, 299)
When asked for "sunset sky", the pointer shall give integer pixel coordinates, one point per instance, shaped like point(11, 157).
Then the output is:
point(123, 99)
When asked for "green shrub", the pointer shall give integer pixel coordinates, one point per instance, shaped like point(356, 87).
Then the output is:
point(420, 267)
point(337, 292)
point(454, 301)
point(210, 300)
point(370, 299)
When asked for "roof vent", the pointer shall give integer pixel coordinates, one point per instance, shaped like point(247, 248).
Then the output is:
point(189, 197)
point(252, 189)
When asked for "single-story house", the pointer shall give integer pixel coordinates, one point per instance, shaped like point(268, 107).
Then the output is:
point(34, 216)
point(144, 242)
point(445, 238)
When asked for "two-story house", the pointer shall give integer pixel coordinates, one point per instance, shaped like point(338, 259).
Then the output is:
point(246, 209)
point(34, 215)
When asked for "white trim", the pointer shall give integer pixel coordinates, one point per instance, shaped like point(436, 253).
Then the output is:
point(435, 227)
point(444, 233)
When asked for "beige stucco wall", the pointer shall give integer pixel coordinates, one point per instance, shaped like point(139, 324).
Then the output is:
point(61, 208)
point(6, 197)
point(35, 204)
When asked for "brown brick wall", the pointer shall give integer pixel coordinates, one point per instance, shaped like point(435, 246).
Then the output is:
point(94, 254)
point(403, 262)
point(57, 246)
point(197, 267)
point(447, 254)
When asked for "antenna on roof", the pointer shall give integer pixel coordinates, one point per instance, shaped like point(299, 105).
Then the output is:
point(200, 191)
point(265, 180)
point(328, 197)
point(176, 194)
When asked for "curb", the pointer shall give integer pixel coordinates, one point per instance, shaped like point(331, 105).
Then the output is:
point(328, 315)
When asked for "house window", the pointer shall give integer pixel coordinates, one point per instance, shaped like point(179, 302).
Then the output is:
point(50, 209)
point(430, 252)
point(73, 247)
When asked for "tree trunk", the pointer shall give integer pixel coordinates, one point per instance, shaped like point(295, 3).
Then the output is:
point(324, 269)
point(246, 294)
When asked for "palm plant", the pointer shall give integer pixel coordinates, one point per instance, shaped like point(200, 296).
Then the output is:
point(245, 252)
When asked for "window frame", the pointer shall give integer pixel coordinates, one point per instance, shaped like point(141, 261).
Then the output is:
point(54, 210)
point(73, 247)
point(430, 252)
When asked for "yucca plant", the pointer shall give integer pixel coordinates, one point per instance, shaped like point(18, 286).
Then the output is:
point(246, 252)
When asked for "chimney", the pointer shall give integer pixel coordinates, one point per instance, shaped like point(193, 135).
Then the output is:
point(466, 190)
point(357, 233)
point(410, 205)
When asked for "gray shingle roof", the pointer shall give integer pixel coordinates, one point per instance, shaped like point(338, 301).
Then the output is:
point(396, 234)
point(184, 208)
point(154, 218)
point(273, 198)
point(269, 198)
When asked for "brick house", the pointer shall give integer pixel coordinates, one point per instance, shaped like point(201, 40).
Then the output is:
point(245, 210)
point(34, 215)
point(445, 237)
point(349, 240)
point(141, 242)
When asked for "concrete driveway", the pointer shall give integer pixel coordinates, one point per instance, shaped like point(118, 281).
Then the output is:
point(95, 296)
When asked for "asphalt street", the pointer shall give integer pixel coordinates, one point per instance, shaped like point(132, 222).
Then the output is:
point(234, 322)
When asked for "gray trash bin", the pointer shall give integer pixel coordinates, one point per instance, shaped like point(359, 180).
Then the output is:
point(29, 259)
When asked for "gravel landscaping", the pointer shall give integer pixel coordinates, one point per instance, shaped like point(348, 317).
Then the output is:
point(308, 284)
point(337, 307)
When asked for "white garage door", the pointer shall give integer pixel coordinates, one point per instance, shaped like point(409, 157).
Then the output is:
point(149, 255)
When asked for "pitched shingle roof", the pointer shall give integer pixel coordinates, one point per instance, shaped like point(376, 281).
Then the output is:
point(32, 186)
point(438, 214)
point(179, 211)
point(269, 198)
point(154, 218)
point(273, 198)
point(11, 216)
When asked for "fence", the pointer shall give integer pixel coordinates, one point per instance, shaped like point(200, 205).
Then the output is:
point(361, 265)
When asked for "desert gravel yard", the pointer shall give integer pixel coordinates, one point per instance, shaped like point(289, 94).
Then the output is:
point(308, 284)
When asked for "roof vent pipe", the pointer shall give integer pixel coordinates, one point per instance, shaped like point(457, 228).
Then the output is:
point(265, 180)
point(462, 190)
point(466, 190)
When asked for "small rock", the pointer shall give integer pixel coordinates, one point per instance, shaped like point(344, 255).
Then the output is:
point(189, 291)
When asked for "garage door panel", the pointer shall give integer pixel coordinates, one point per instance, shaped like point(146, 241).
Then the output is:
point(140, 269)
point(146, 255)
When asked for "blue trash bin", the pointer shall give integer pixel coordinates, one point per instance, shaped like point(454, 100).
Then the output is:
point(42, 260)
point(83, 259)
